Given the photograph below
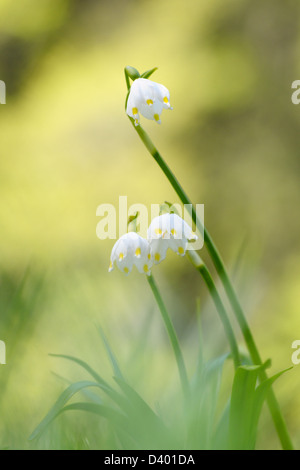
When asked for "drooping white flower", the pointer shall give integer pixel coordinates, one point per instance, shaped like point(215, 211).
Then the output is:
point(148, 98)
point(169, 231)
point(131, 249)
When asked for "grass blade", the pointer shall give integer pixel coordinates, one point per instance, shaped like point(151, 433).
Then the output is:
point(112, 357)
point(60, 403)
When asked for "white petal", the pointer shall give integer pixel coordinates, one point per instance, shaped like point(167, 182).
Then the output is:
point(144, 265)
point(148, 98)
point(169, 231)
point(146, 89)
point(131, 249)
point(132, 110)
point(143, 260)
point(163, 95)
point(155, 229)
point(159, 249)
point(180, 229)
point(160, 227)
point(111, 266)
point(113, 256)
point(179, 246)
point(152, 112)
point(131, 104)
point(135, 94)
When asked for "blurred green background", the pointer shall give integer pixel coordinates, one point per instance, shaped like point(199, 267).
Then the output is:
point(67, 146)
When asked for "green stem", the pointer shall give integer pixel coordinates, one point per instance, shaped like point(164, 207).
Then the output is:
point(173, 338)
point(201, 267)
point(127, 79)
point(220, 268)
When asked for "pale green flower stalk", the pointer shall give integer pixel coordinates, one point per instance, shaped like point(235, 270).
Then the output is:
point(171, 231)
point(173, 339)
point(203, 270)
point(133, 250)
point(273, 404)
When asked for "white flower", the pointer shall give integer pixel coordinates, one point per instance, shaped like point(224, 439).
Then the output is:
point(169, 231)
point(131, 249)
point(148, 98)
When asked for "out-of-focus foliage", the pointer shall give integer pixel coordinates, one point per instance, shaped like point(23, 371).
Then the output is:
point(66, 146)
point(185, 424)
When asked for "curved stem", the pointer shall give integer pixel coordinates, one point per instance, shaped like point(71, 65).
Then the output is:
point(203, 270)
point(173, 338)
point(127, 79)
point(220, 268)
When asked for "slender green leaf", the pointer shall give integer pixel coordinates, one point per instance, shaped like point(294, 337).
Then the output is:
point(83, 364)
point(246, 405)
point(260, 395)
point(93, 397)
point(114, 416)
point(204, 402)
point(242, 405)
point(60, 403)
point(137, 401)
point(220, 440)
point(147, 427)
point(148, 73)
point(112, 357)
point(112, 393)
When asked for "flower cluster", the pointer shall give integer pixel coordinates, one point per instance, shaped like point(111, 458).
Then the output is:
point(131, 249)
point(165, 231)
point(148, 98)
point(169, 231)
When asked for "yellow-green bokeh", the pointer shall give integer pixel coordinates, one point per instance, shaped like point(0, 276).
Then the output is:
point(67, 146)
